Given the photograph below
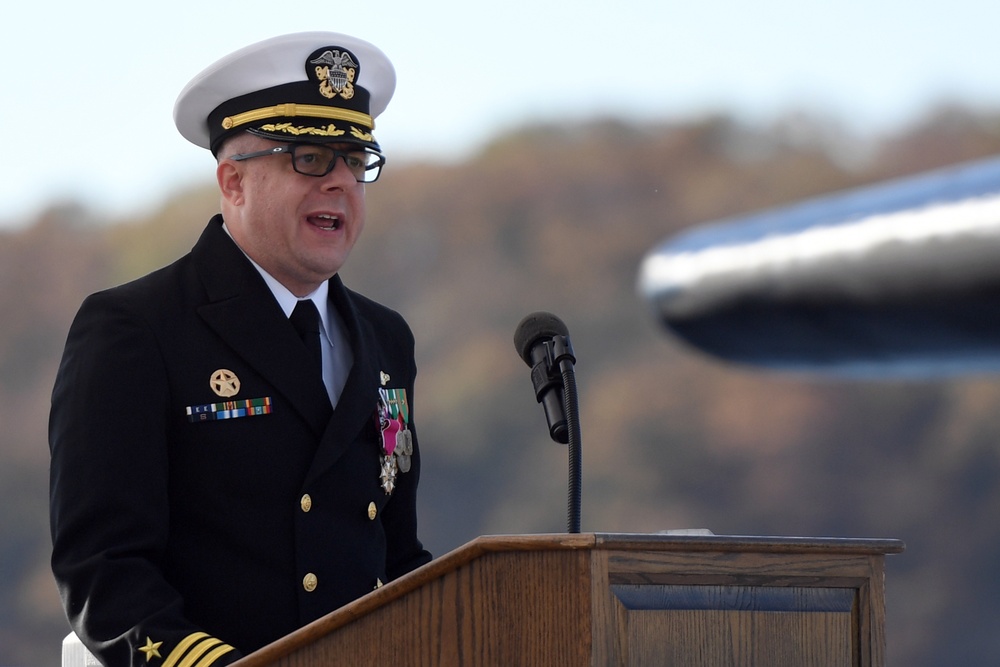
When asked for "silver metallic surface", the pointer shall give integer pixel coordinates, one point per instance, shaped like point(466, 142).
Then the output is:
point(898, 279)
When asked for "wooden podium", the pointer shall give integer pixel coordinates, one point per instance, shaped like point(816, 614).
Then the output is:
point(605, 599)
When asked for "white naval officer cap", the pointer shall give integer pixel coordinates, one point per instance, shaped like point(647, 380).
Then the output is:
point(311, 86)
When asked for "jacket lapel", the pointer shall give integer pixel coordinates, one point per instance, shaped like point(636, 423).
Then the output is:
point(244, 313)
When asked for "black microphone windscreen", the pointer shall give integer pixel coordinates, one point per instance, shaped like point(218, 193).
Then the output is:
point(534, 327)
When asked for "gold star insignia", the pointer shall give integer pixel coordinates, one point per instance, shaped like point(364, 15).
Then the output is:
point(225, 383)
point(150, 649)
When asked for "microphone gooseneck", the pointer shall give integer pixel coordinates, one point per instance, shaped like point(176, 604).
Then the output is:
point(542, 341)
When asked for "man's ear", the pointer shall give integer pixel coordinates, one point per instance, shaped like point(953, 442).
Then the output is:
point(230, 178)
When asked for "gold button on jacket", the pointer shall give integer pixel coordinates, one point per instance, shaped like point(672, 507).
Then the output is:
point(306, 502)
point(310, 582)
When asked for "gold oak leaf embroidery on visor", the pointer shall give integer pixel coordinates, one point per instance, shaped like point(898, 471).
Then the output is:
point(328, 131)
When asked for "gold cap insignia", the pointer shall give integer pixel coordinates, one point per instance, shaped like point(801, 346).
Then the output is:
point(335, 71)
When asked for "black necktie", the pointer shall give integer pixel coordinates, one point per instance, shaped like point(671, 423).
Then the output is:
point(305, 319)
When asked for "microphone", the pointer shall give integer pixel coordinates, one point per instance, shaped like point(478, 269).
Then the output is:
point(542, 340)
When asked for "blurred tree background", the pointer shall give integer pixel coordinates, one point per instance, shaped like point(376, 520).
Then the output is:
point(558, 218)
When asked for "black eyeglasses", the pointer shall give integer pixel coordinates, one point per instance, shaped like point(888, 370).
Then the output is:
point(320, 160)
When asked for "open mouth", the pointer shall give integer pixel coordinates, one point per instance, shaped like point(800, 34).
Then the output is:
point(325, 221)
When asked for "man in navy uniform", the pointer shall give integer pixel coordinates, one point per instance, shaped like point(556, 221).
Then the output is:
point(232, 439)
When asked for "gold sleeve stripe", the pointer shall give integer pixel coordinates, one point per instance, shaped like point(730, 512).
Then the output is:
point(199, 650)
point(214, 655)
point(182, 648)
point(292, 110)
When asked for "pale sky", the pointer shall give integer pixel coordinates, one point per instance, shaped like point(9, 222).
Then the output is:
point(89, 88)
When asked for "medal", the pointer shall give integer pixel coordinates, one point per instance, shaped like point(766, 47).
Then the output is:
point(388, 474)
point(404, 450)
point(396, 446)
point(389, 426)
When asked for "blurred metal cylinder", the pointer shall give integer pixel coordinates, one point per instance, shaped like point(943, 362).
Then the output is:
point(900, 279)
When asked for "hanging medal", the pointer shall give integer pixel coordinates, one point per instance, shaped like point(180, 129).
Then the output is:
point(388, 428)
point(387, 475)
point(404, 437)
point(404, 449)
point(397, 439)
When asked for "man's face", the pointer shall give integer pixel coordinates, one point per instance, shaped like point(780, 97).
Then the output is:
point(299, 228)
